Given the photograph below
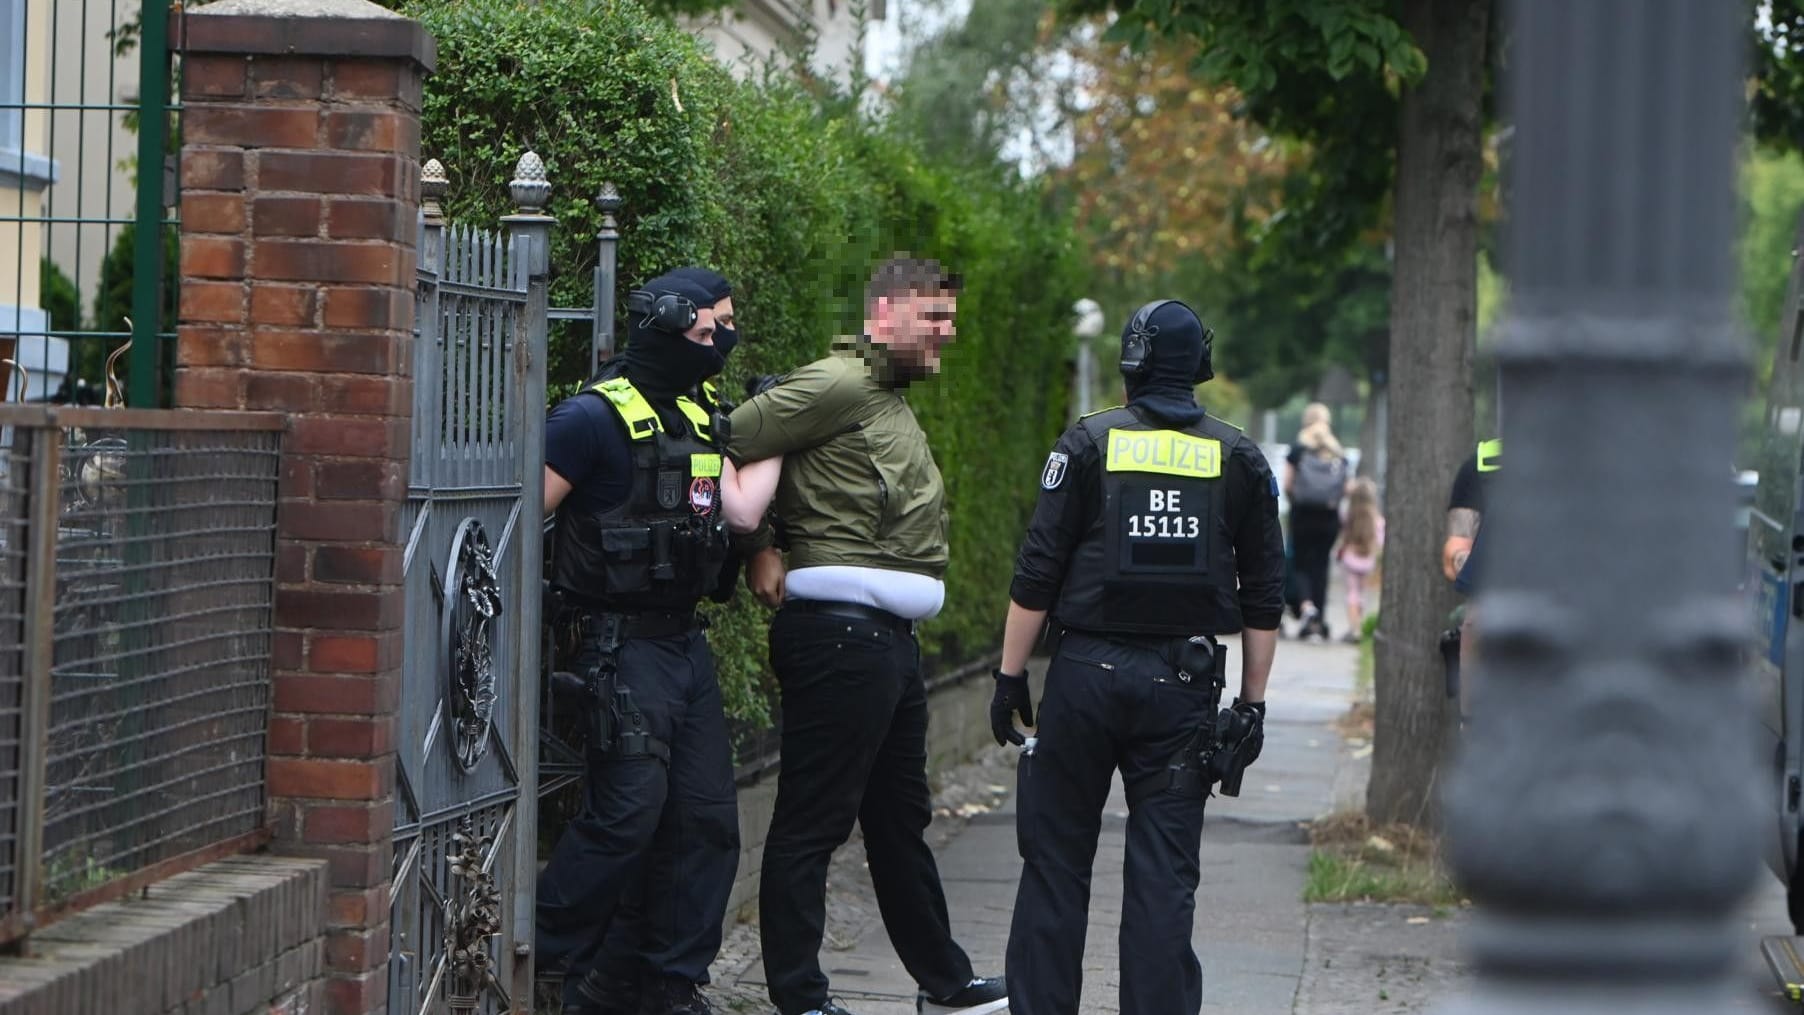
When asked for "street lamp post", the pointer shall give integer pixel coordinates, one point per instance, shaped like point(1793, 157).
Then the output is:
point(1088, 326)
point(1604, 811)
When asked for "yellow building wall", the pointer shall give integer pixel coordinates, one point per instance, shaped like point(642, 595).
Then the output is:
point(22, 244)
point(89, 145)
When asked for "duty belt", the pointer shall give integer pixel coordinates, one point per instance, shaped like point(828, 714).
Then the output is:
point(644, 624)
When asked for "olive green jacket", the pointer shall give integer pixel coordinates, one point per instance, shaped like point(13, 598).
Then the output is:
point(859, 484)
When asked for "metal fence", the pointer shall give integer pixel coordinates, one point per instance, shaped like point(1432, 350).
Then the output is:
point(87, 233)
point(137, 582)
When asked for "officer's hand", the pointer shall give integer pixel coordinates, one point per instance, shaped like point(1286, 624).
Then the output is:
point(764, 576)
point(759, 384)
point(1249, 716)
point(1011, 696)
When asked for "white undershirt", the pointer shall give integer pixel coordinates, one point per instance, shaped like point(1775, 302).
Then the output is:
point(903, 593)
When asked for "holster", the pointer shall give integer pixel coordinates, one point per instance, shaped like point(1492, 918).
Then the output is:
point(617, 728)
point(1191, 771)
point(1230, 763)
point(1450, 639)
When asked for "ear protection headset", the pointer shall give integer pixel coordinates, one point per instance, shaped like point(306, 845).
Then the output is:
point(1137, 344)
point(664, 311)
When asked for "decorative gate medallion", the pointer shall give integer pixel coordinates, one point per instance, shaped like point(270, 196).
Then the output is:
point(472, 601)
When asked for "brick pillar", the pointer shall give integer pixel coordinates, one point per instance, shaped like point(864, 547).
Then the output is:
point(300, 190)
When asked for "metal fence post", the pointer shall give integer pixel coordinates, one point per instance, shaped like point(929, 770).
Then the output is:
point(44, 500)
point(531, 231)
point(147, 252)
point(427, 360)
point(1604, 812)
point(601, 342)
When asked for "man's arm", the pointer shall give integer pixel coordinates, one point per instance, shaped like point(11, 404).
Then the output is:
point(746, 492)
point(811, 406)
point(1019, 634)
point(1259, 561)
point(578, 442)
point(1464, 512)
point(556, 489)
point(1462, 528)
point(1257, 650)
point(1065, 509)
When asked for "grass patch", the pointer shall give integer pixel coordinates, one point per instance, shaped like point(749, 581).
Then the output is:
point(1354, 861)
point(1368, 658)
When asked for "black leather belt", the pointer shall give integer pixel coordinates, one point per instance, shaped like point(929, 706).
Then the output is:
point(648, 624)
point(851, 611)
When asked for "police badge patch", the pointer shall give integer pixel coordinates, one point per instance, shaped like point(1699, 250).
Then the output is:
point(1055, 470)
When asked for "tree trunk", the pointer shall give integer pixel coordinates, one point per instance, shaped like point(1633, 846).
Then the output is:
point(1434, 303)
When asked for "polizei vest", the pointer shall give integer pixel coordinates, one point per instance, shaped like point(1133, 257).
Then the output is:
point(1159, 556)
point(664, 546)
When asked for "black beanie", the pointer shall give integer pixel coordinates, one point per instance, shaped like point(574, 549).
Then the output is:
point(664, 364)
point(725, 338)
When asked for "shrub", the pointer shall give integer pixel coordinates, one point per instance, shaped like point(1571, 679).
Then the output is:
point(794, 198)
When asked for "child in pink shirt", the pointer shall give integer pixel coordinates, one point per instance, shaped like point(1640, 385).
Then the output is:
point(1361, 543)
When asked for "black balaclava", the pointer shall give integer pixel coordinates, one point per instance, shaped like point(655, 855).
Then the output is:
point(718, 289)
point(664, 364)
point(1167, 389)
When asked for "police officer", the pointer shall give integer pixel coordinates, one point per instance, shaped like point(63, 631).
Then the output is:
point(1156, 531)
point(663, 934)
point(635, 471)
point(1460, 562)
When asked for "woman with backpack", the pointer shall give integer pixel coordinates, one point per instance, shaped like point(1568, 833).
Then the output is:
point(1315, 480)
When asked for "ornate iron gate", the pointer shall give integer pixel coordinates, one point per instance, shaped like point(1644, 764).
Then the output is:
point(465, 814)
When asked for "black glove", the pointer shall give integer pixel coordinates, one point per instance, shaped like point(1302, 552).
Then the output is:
point(1249, 716)
point(1242, 730)
point(1011, 696)
point(759, 384)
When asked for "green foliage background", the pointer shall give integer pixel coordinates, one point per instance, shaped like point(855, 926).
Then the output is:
point(794, 195)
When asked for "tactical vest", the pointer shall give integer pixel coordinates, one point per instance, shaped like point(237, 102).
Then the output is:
point(664, 546)
point(1159, 556)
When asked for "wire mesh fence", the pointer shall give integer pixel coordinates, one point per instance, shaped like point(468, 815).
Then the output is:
point(137, 582)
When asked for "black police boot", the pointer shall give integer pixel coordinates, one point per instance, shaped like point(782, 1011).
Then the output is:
point(605, 993)
point(676, 996)
point(979, 997)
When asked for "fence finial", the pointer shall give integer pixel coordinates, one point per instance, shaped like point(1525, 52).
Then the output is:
point(608, 199)
point(530, 190)
point(433, 186)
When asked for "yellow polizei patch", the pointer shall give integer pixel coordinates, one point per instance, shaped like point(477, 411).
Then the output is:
point(704, 465)
point(1166, 452)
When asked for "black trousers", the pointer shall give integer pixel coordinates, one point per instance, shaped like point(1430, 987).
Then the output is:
point(854, 748)
point(1107, 705)
point(643, 820)
point(1312, 535)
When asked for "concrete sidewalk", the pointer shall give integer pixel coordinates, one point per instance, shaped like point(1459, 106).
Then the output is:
point(1251, 927)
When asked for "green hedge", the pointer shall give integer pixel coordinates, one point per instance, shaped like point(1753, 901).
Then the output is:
point(794, 197)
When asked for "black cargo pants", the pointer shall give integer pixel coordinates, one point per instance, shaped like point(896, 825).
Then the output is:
point(1108, 704)
point(642, 816)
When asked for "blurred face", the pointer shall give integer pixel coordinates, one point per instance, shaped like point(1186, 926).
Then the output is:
point(703, 331)
point(723, 313)
point(916, 326)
